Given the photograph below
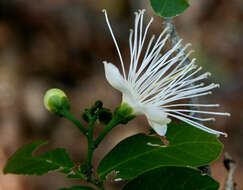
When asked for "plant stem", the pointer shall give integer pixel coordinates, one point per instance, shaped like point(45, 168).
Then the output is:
point(174, 37)
point(230, 165)
point(91, 143)
point(91, 148)
point(108, 128)
point(69, 116)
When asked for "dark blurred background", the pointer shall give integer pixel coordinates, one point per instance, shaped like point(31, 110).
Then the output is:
point(62, 43)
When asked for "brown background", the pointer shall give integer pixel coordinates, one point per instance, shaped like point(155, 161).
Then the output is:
point(62, 43)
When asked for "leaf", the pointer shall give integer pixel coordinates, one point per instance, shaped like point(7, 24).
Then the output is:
point(188, 146)
point(58, 157)
point(169, 8)
point(23, 162)
point(77, 188)
point(173, 178)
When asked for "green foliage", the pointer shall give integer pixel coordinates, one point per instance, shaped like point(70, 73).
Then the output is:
point(141, 158)
point(188, 146)
point(173, 178)
point(23, 162)
point(169, 8)
point(77, 188)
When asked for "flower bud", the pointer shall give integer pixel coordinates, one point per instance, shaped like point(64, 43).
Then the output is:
point(56, 101)
point(104, 116)
point(124, 113)
point(98, 104)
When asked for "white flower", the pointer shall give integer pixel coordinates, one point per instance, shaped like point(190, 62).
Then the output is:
point(152, 86)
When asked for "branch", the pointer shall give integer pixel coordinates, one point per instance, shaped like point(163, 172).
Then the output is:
point(172, 31)
point(230, 165)
point(205, 169)
point(108, 128)
point(69, 116)
point(174, 37)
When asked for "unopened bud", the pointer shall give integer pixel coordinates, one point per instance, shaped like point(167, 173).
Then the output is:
point(56, 101)
point(124, 113)
point(104, 116)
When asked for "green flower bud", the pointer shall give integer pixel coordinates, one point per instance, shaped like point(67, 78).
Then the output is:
point(86, 115)
point(104, 116)
point(124, 113)
point(56, 101)
point(98, 104)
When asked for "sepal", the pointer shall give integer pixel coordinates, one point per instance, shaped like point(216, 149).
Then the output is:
point(124, 113)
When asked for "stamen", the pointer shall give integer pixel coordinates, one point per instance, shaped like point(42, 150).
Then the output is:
point(141, 43)
point(175, 98)
point(197, 125)
point(197, 111)
point(195, 105)
point(196, 118)
point(131, 54)
point(115, 42)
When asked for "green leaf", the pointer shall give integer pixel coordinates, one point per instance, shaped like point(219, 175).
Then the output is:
point(173, 178)
point(188, 146)
point(77, 188)
point(23, 162)
point(58, 157)
point(169, 8)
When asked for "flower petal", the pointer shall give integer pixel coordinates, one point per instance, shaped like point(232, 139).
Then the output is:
point(153, 113)
point(114, 77)
point(158, 119)
point(159, 129)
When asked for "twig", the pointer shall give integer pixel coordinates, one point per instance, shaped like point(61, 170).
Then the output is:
point(108, 128)
point(230, 165)
point(87, 168)
point(172, 31)
point(69, 116)
point(91, 149)
point(205, 169)
point(174, 37)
